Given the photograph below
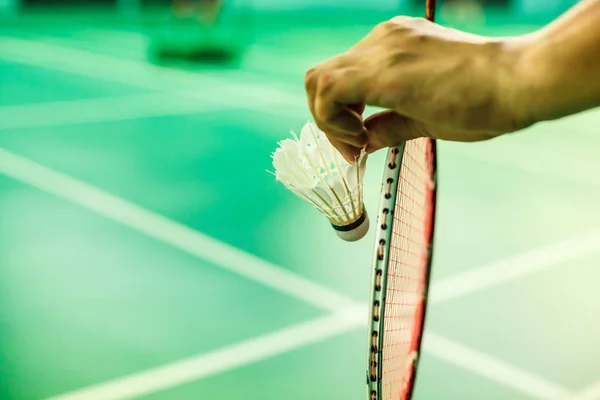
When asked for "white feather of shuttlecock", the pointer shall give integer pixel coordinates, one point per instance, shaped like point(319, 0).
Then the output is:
point(314, 170)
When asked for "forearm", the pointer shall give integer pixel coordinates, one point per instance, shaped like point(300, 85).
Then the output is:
point(561, 64)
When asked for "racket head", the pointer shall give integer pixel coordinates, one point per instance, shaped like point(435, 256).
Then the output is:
point(401, 269)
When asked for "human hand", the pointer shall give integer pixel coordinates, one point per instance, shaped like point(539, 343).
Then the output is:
point(433, 81)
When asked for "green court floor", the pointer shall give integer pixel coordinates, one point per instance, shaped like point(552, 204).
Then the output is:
point(145, 252)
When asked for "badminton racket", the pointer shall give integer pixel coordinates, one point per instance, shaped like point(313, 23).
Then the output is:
point(402, 264)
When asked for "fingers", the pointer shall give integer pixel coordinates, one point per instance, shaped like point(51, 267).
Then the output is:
point(349, 145)
point(389, 128)
point(332, 92)
point(348, 151)
point(358, 108)
point(345, 121)
point(335, 101)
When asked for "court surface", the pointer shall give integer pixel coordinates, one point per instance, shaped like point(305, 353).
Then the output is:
point(145, 252)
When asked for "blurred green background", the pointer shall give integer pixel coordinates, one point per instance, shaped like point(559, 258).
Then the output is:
point(145, 252)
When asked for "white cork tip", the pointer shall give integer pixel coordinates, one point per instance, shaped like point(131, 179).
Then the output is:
point(355, 233)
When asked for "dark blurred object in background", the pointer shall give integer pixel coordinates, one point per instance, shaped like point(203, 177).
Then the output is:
point(421, 3)
point(204, 31)
point(69, 3)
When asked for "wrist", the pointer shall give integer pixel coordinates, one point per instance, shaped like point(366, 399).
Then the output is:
point(559, 64)
point(533, 94)
point(524, 82)
point(553, 79)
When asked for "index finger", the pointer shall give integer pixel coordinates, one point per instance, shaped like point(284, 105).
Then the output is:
point(336, 96)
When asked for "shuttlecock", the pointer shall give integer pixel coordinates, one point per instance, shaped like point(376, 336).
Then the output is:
point(314, 170)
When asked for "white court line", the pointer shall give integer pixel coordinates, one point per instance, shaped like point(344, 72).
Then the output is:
point(220, 360)
point(301, 335)
point(191, 241)
point(498, 371)
point(252, 267)
point(143, 75)
point(515, 267)
point(171, 232)
point(245, 90)
point(229, 88)
point(96, 110)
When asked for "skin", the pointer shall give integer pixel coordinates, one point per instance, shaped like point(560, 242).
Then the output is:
point(451, 85)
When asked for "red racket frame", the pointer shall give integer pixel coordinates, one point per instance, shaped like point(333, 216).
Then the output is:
point(379, 282)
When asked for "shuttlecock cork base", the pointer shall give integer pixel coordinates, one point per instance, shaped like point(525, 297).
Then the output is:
point(354, 231)
point(315, 171)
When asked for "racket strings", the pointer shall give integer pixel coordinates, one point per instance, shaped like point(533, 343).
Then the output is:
point(407, 268)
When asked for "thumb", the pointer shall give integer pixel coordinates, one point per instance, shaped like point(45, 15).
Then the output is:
point(388, 128)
